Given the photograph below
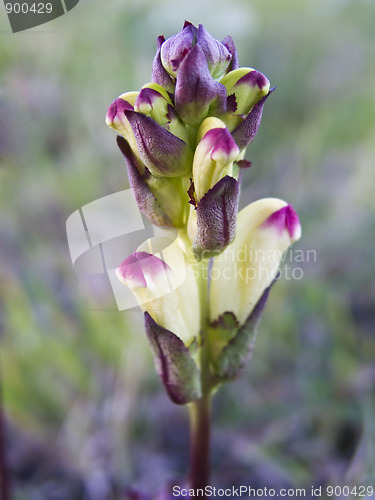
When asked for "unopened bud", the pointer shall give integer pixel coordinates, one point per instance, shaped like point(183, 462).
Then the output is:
point(214, 156)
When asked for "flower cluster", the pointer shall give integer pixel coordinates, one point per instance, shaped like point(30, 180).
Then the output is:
point(184, 137)
point(186, 133)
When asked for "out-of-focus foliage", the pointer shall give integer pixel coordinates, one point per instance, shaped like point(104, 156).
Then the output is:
point(83, 404)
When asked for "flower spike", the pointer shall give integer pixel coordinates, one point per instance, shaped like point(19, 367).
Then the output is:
point(184, 137)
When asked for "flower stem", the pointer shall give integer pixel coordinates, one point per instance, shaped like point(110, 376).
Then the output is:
point(200, 410)
point(200, 417)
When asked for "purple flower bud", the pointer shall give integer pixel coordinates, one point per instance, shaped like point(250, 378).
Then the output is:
point(174, 363)
point(177, 47)
point(146, 200)
point(116, 110)
point(159, 73)
point(163, 153)
point(216, 218)
point(245, 133)
point(217, 55)
point(197, 93)
point(163, 200)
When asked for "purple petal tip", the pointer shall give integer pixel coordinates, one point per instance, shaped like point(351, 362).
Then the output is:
point(187, 23)
point(254, 78)
point(292, 223)
point(146, 97)
point(139, 267)
point(160, 40)
point(221, 142)
point(117, 107)
point(285, 218)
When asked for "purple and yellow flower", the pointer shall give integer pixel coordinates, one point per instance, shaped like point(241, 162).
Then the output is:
point(165, 286)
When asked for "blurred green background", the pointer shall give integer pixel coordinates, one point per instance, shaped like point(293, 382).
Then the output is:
point(86, 414)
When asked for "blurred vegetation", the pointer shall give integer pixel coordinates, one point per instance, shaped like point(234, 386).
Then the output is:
point(86, 415)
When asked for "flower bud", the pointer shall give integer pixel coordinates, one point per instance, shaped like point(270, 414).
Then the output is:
point(115, 114)
point(176, 48)
point(145, 198)
point(163, 200)
point(216, 53)
point(159, 73)
point(117, 120)
point(197, 93)
point(214, 155)
point(248, 86)
point(216, 218)
point(153, 101)
point(163, 153)
point(265, 229)
point(174, 363)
